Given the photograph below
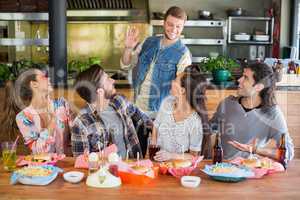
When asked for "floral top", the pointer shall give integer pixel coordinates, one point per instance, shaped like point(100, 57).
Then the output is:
point(38, 138)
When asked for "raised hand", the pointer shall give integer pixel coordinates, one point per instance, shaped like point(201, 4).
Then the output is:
point(132, 38)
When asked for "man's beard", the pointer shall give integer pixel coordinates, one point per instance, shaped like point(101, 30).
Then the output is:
point(108, 94)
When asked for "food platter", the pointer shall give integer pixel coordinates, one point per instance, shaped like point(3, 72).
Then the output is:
point(35, 175)
point(227, 172)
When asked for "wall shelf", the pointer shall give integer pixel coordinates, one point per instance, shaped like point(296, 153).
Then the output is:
point(203, 41)
point(269, 26)
point(24, 16)
point(196, 26)
point(194, 23)
point(23, 42)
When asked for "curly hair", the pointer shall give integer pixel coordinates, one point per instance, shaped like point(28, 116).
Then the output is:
point(264, 74)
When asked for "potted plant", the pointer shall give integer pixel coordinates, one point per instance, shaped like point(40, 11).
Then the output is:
point(5, 73)
point(220, 67)
point(79, 65)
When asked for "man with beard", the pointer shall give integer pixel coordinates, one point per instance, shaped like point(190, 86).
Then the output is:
point(249, 122)
point(156, 61)
point(107, 118)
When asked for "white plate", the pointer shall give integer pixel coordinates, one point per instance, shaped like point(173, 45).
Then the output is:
point(241, 37)
point(73, 176)
point(190, 181)
point(261, 38)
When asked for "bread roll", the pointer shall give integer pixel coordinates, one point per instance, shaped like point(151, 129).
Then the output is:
point(181, 163)
point(251, 163)
point(141, 169)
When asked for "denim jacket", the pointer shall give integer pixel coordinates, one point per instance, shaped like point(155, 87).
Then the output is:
point(164, 71)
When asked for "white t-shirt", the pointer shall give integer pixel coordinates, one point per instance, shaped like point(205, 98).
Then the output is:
point(175, 136)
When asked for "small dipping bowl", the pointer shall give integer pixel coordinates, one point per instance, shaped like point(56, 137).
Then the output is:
point(73, 176)
point(190, 181)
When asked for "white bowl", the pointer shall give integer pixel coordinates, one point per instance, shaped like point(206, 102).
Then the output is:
point(73, 176)
point(261, 38)
point(190, 181)
point(241, 37)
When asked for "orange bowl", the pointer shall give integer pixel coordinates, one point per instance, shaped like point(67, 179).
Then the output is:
point(136, 179)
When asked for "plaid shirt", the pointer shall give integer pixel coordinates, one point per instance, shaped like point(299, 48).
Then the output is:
point(88, 130)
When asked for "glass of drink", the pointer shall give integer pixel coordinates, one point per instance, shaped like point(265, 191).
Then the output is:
point(93, 162)
point(9, 156)
point(153, 148)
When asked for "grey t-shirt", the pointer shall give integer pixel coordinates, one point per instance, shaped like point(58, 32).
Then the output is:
point(114, 125)
point(244, 126)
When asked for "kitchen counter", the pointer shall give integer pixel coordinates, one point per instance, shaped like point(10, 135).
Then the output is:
point(289, 82)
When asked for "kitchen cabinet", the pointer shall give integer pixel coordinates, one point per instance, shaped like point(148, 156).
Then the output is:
point(243, 38)
point(193, 36)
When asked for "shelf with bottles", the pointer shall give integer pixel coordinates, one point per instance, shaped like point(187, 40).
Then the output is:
point(241, 33)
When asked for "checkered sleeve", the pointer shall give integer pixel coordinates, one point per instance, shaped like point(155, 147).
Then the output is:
point(79, 138)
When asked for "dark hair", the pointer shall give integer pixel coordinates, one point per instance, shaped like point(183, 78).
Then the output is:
point(263, 74)
point(88, 81)
point(18, 94)
point(195, 85)
point(176, 12)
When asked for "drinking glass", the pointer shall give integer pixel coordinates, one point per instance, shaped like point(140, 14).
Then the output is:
point(9, 156)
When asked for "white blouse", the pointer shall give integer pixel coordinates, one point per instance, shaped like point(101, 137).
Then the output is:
point(179, 136)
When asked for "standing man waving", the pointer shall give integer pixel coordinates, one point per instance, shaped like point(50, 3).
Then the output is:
point(156, 61)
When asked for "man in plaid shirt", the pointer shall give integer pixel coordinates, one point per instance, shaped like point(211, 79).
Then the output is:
point(107, 117)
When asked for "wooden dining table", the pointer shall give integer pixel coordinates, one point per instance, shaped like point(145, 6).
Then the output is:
point(284, 185)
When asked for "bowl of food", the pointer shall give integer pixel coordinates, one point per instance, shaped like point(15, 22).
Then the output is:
point(174, 165)
point(227, 172)
point(251, 162)
point(35, 175)
point(180, 167)
point(40, 159)
point(73, 176)
point(138, 175)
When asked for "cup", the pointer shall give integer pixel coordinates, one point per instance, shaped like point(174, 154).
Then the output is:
point(93, 162)
point(153, 148)
point(9, 156)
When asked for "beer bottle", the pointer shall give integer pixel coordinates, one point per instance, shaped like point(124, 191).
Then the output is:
point(217, 150)
point(281, 152)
